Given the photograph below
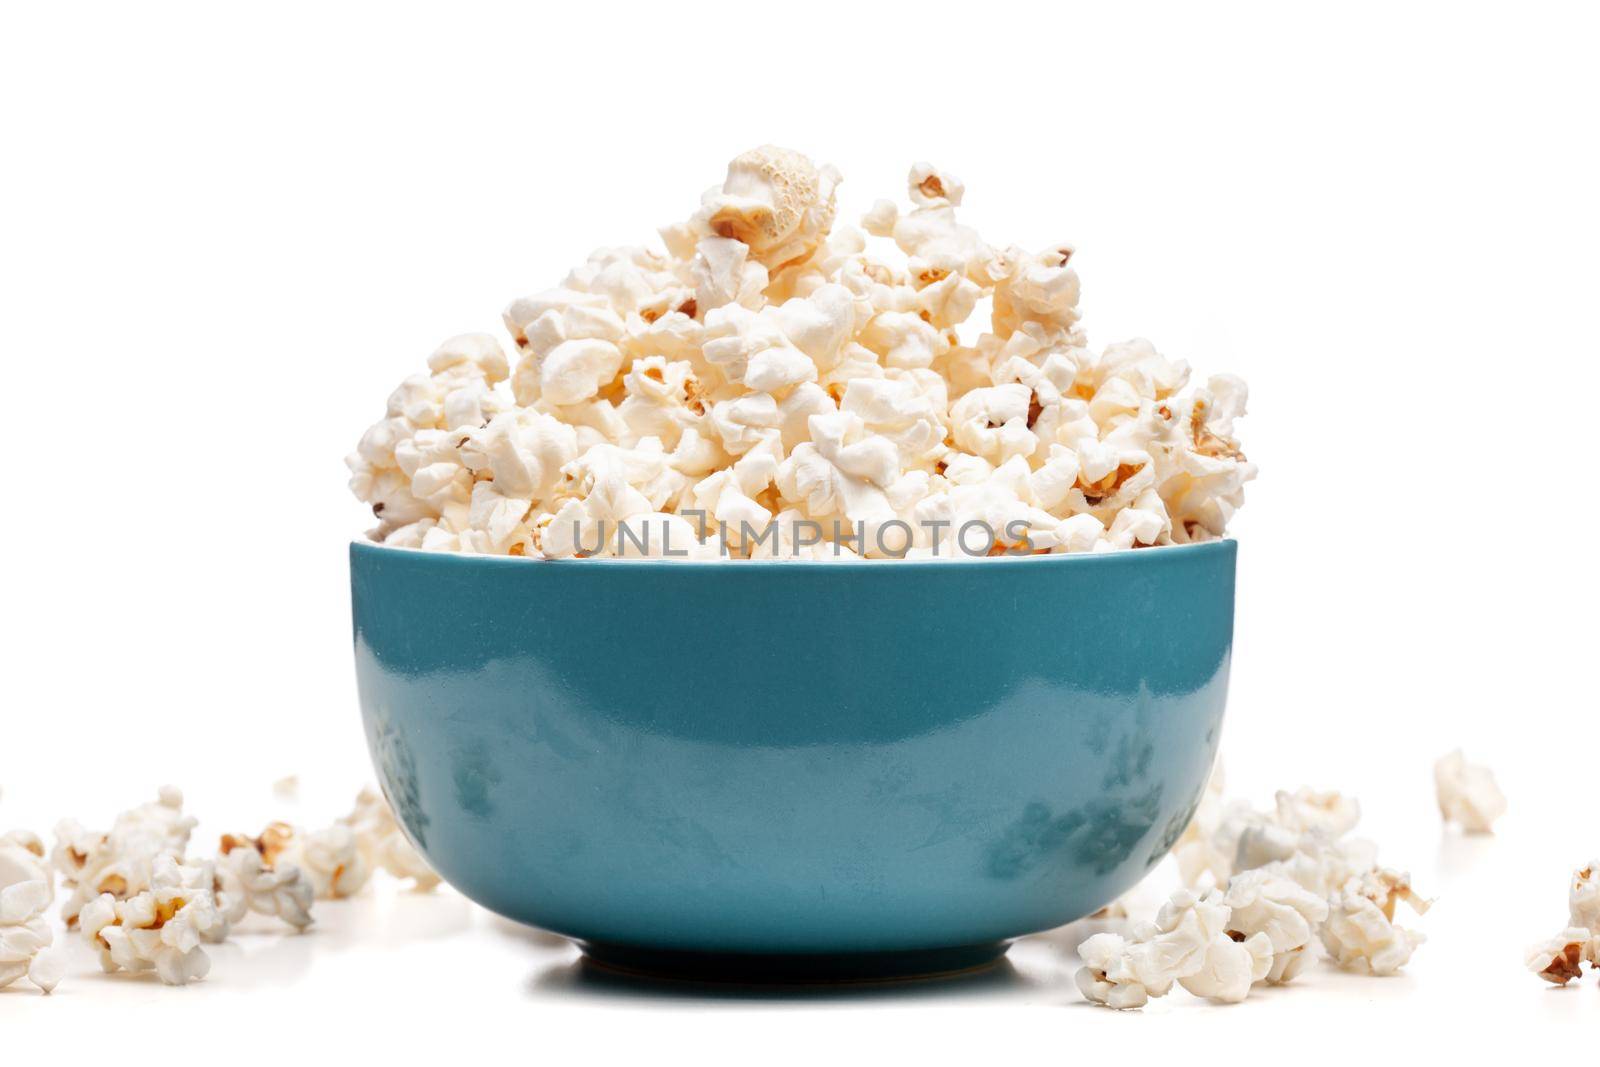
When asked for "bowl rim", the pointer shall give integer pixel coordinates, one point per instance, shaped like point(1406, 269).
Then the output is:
point(1220, 546)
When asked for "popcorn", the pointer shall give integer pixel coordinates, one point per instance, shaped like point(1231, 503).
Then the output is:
point(1197, 858)
point(838, 360)
point(1188, 944)
point(1293, 876)
point(1107, 976)
point(22, 859)
point(246, 881)
point(159, 928)
point(1560, 959)
point(1360, 932)
point(282, 870)
point(144, 906)
point(1467, 793)
point(329, 859)
point(46, 969)
point(1230, 968)
point(1330, 814)
point(1584, 897)
point(119, 862)
point(1302, 839)
point(774, 201)
point(383, 845)
point(1268, 905)
point(25, 936)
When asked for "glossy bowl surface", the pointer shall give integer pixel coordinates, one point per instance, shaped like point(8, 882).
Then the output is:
point(783, 758)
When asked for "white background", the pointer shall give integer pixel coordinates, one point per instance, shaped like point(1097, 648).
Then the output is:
point(226, 234)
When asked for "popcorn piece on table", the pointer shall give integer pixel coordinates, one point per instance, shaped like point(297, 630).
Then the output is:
point(159, 928)
point(22, 859)
point(1303, 837)
point(119, 861)
point(1329, 813)
point(1288, 915)
point(1293, 875)
point(1583, 899)
point(383, 844)
point(1230, 968)
point(1560, 959)
point(247, 882)
point(1188, 944)
point(1360, 932)
point(25, 936)
point(1198, 859)
point(1468, 794)
point(1107, 975)
point(329, 859)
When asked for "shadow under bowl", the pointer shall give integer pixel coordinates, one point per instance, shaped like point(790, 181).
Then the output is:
point(794, 769)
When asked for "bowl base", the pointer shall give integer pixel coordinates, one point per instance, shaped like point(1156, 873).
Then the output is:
point(832, 968)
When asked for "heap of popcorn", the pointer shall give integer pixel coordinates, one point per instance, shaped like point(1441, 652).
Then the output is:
point(771, 383)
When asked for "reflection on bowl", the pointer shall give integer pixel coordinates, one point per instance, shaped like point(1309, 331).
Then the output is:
point(794, 768)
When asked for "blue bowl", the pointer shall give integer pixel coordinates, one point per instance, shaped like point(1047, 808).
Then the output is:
point(794, 769)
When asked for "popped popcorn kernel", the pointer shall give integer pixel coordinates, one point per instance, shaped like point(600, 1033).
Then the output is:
point(1288, 915)
point(382, 843)
point(1583, 899)
point(25, 936)
point(1560, 959)
point(1361, 933)
point(120, 861)
point(1468, 795)
point(252, 876)
point(159, 928)
point(22, 859)
point(330, 859)
point(1189, 943)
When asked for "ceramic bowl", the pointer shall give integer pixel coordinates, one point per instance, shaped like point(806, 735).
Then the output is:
point(794, 769)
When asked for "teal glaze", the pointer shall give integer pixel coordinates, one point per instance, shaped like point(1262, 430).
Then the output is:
point(788, 757)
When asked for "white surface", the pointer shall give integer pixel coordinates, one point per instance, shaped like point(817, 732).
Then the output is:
point(225, 237)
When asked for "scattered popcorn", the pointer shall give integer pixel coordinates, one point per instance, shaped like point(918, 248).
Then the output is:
point(287, 787)
point(382, 843)
point(1188, 943)
point(1360, 932)
point(25, 936)
point(1560, 959)
point(773, 383)
point(1303, 838)
point(145, 907)
point(1468, 795)
point(1293, 878)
